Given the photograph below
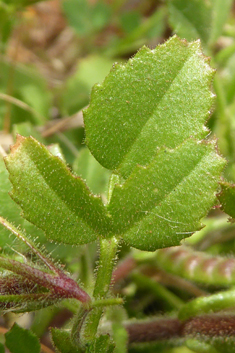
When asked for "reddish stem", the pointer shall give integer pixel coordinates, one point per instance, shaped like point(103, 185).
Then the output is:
point(210, 326)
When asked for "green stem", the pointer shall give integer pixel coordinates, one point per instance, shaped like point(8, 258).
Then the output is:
point(158, 290)
point(212, 303)
point(108, 249)
point(105, 302)
point(87, 320)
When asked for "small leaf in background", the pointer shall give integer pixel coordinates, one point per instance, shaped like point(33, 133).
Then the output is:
point(227, 199)
point(35, 98)
point(2, 349)
point(51, 197)
point(191, 19)
point(39, 99)
point(199, 18)
point(150, 28)
point(26, 129)
point(19, 340)
point(159, 98)
point(100, 15)
point(162, 203)
point(220, 13)
point(55, 149)
point(95, 176)
point(130, 21)
point(84, 18)
point(62, 341)
point(77, 13)
point(76, 93)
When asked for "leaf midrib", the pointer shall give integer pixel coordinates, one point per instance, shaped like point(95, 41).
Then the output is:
point(130, 147)
point(66, 204)
point(165, 196)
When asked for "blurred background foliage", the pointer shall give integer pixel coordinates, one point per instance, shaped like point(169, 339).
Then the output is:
point(53, 52)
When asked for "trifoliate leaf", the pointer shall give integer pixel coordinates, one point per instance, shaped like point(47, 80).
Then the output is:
point(161, 97)
point(51, 197)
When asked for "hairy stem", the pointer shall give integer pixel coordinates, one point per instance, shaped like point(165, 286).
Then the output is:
point(108, 249)
point(20, 235)
point(62, 285)
point(163, 329)
point(212, 303)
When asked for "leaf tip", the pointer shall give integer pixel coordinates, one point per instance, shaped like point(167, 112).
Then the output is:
point(19, 140)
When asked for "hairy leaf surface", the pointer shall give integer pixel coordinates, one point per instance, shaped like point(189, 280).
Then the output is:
point(159, 98)
point(162, 203)
point(62, 341)
point(51, 197)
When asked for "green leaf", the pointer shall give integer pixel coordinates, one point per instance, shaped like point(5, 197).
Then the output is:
point(162, 203)
point(76, 92)
point(24, 79)
point(227, 199)
point(2, 349)
point(159, 98)
point(192, 19)
point(62, 341)
point(19, 340)
point(8, 208)
point(11, 211)
point(26, 129)
point(220, 12)
point(130, 21)
point(96, 176)
point(100, 345)
point(77, 13)
point(153, 26)
point(84, 18)
point(51, 197)
point(199, 18)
